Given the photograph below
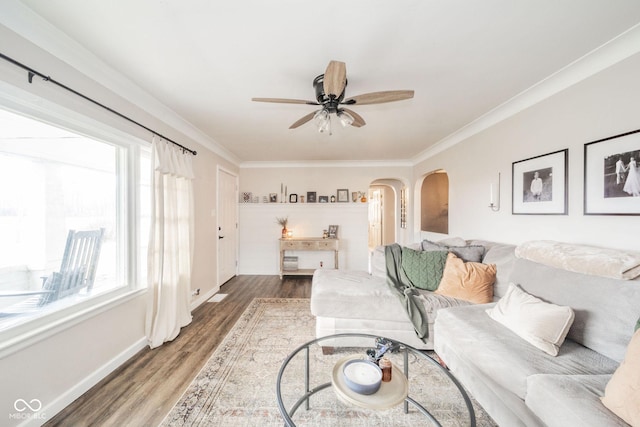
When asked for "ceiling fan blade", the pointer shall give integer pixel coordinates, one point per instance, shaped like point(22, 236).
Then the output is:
point(379, 97)
point(358, 121)
point(303, 120)
point(285, 101)
point(335, 78)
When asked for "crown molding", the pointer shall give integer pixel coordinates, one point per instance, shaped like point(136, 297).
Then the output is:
point(23, 21)
point(599, 59)
point(327, 164)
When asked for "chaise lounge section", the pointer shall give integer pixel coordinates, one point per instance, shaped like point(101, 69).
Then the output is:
point(348, 301)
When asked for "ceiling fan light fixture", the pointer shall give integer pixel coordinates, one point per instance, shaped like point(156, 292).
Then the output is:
point(346, 119)
point(325, 126)
point(322, 120)
point(321, 116)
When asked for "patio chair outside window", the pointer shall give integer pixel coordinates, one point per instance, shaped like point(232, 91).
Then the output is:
point(77, 272)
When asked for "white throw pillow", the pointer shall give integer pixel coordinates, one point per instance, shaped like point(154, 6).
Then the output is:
point(542, 324)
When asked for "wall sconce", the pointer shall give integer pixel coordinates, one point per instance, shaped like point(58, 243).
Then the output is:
point(494, 204)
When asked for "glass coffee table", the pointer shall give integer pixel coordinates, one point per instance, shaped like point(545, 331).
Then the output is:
point(311, 389)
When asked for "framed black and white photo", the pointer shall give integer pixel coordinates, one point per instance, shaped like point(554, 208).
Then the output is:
point(323, 199)
point(343, 195)
point(539, 184)
point(273, 198)
point(311, 196)
point(612, 176)
point(333, 231)
point(293, 198)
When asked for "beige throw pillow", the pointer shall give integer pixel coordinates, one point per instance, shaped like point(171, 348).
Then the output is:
point(540, 323)
point(469, 281)
point(622, 394)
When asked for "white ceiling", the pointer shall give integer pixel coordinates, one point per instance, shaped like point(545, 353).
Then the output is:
point(206, 59)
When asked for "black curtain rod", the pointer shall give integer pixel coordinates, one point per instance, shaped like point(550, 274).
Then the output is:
point(33, 72)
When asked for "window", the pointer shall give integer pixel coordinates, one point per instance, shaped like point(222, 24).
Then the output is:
point(53, 181)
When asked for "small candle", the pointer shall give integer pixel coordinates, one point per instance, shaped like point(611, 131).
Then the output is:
point(385, 366)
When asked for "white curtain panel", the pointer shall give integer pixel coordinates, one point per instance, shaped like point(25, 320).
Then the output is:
point(170, 244)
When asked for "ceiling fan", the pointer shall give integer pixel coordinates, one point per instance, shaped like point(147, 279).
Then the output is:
point(330, 88)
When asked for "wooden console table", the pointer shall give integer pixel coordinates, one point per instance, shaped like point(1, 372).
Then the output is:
point(306, 244)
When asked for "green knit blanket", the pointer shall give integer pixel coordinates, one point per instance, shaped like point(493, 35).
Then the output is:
point(404, 289)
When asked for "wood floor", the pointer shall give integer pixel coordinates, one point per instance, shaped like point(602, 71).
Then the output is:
point(143, 390)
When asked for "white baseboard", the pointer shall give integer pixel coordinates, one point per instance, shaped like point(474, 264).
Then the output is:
point(83, 386)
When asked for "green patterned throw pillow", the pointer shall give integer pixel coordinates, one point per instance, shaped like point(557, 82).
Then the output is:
point(424, 269)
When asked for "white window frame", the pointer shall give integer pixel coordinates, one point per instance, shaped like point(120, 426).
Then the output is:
point(24, 103)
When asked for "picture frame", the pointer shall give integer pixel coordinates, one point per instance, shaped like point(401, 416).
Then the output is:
point(273, 197)
point(247, 197)
point(540, 184)
point(323, 199)
point(612, 176)
point(293, 198)
point(342, 195)
point(333, 231)
point(311, 196)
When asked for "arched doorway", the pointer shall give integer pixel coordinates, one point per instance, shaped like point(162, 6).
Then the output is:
point(434, 203)
point(385, 211)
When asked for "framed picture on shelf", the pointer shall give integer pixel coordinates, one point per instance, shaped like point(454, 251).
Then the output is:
point(539, 184)
point(323, 199)
point(612, 176)
point(333, 231)
point(273, 197)
point(293, 198)
point(343, 195)
point(246, 197)
point(311, 196)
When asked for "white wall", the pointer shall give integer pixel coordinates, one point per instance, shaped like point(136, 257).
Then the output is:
point(259, 234)
point(604, 105)
point(259, 231)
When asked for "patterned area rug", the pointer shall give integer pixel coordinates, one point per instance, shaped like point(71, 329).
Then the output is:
point(237, 386)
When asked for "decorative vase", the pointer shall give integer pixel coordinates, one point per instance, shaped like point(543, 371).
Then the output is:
point(363, 199)
point(284, 232)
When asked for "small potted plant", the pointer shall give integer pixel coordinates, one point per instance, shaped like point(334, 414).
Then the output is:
point(283, 221)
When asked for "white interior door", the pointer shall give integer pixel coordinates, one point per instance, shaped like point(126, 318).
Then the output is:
point(375, 218)
point(227, 225)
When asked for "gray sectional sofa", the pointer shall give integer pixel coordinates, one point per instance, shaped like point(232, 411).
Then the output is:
point(517, 383)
